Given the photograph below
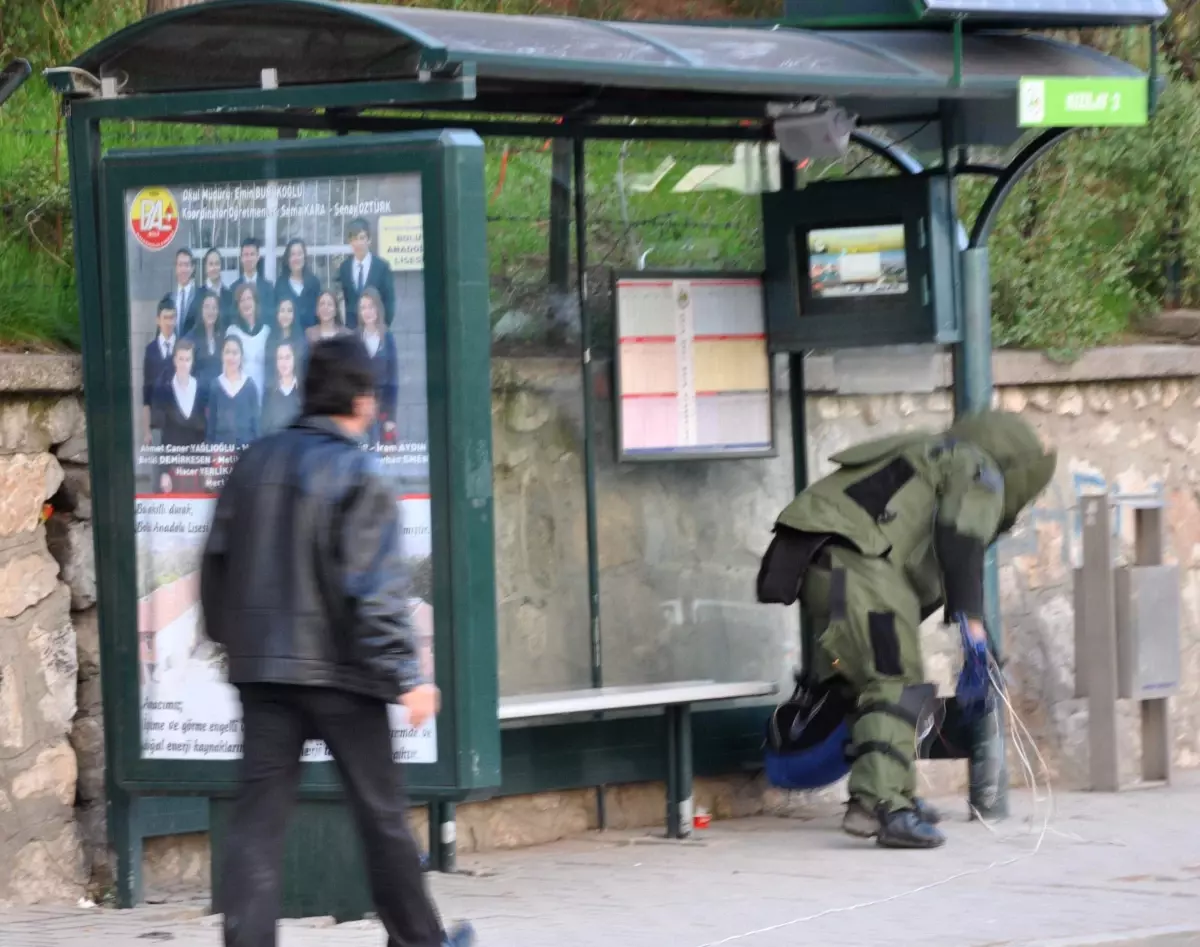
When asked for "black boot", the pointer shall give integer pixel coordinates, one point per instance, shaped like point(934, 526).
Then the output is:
point(926, 812)
point(905, 829)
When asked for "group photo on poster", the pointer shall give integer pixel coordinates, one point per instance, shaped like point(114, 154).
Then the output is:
point(230, 285)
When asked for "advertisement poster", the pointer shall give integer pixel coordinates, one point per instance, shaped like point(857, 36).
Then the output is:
point(230, 284)
point(858, 261)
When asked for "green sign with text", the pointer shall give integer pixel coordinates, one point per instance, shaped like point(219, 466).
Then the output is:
point(1082, 102)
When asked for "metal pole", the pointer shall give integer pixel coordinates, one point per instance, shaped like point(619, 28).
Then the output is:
point(988, 768)
point(799, 423)
point(1099, 663)
point(589, 453)
point(124, 832)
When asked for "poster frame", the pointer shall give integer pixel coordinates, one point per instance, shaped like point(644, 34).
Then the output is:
point(451, 166)
point(652, 457)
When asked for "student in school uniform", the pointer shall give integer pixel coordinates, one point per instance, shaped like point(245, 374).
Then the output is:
point(251, 274)
point(362, 269)
point(156, 363)
point(381, 347)
point(253, 334)
point(286, 332)
point(213, 283)
point(300, 285)
point(282, 404)
point(180, 401)
point(328, 325)
point(207, 338)
point(185, 292)
point(233, 400)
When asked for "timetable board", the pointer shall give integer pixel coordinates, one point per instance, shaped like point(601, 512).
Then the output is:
point(693, 375)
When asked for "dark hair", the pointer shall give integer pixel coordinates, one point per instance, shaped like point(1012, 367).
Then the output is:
point(337, 316)
point(185, 345)
point(257, 244)
point(357, 226)
point(338, 371)
point(287, 254)
point(166, 304)
point(187, 253)
point(205, 295)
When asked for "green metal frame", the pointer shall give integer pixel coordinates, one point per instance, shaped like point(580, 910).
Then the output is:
point(459, 398)
point(927, 313)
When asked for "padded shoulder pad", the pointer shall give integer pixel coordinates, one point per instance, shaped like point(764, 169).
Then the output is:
point(862, 454)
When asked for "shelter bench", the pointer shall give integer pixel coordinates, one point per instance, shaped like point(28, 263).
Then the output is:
point(674, 699)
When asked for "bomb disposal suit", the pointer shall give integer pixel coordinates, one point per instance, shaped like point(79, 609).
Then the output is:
point(899, 530)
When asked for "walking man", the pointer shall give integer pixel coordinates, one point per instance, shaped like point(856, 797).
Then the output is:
point(302, 584)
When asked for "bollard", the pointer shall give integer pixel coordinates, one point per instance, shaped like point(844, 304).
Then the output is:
point(1126, 638)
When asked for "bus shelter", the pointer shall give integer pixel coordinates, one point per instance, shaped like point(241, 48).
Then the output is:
point(381, 113)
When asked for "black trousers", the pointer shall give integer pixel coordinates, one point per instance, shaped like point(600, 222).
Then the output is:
point(277, 719)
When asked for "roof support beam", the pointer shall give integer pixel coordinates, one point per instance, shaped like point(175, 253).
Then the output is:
point(1016, 170)
point(180, 105)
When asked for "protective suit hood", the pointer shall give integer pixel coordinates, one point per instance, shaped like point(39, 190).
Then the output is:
point(1027, 466)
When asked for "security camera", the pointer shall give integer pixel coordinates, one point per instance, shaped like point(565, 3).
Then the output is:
point(818, 134)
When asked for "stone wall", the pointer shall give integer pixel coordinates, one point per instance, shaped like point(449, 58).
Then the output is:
point(678, 545)
point(49, 759)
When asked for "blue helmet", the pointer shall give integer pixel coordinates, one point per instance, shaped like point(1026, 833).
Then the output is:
point(808, 738)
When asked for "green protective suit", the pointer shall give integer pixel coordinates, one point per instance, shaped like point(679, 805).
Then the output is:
point(899, 530)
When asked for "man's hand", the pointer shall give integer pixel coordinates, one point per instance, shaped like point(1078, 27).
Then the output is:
point(976, 630)
point(421, 703)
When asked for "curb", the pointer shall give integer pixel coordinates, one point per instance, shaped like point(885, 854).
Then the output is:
point(1151, 937)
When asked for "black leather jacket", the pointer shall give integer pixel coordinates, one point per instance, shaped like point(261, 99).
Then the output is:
point(302, 580)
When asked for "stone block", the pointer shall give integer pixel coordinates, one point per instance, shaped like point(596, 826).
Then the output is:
point(87, 739)
point(12, 710)
point(27, 374)
point(27, 481)
point(87, 642)
point(33, 425)
point(93, 831)
point(74, 450)
point(52, 774)
point(52, 643)
point(175, 862)
point(26, 580)
point(75, 495)
point(70, 542)
point(47, 870)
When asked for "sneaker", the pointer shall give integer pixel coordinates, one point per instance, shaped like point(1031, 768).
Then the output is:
point(461, 935)
point(926, 812)
point(859, 821)
point(905, 829)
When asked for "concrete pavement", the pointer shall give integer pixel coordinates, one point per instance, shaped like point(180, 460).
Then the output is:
point(1111, 869)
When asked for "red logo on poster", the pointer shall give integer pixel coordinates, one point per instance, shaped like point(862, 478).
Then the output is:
point(154, 217)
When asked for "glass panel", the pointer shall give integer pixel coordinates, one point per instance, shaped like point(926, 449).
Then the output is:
point(794, 51)
point(229, 49)
point(230, 285)
point(680, 542)
point(529, 37)
point(1013, 56)
point(541, 548)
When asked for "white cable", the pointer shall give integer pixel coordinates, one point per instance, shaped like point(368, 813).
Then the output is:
point(1000, 863)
